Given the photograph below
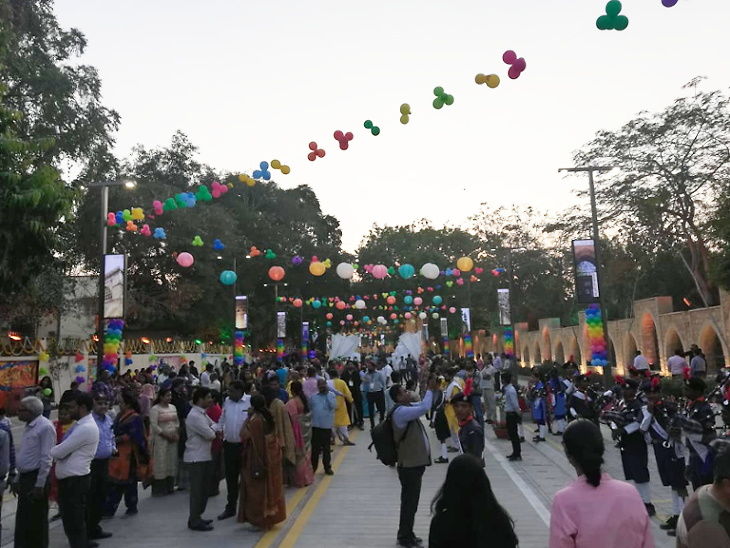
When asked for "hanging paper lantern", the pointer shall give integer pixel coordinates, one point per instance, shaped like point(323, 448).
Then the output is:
point(452, 310)
point(366, 319)
point(329, 315)
point(407, 315)
point(379, 271)
point(435, 316)
point(348, 317)
point(316, 304)
point(430, 271)
point(276, 273)
point(393, 316)
point(317, 268)
point(345, 271)
point(185, 259)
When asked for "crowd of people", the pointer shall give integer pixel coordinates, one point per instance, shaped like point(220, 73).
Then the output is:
point(266, 425)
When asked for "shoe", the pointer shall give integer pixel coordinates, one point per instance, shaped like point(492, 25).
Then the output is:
point(522, 439)
point(207, 521)
point(201, 527)
point(100, 535)
point(410, 543)
point(538, 439)
point(348, 443)
point(670, 524)
point(92, 544)
point(514, 458)
point(226, 514)
point(452, 450)
point(329, 472)
point(131, 511)
point(650, 508)
point(441, 460)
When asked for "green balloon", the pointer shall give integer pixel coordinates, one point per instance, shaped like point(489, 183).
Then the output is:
point(169, 205)
point(449, 100)
point(375, 130)
point(438, 91)
point(613, 8)
point(602, 22)
point(621, 22)
point(437, 103)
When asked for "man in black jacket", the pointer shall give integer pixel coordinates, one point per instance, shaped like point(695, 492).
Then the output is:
point(471, 435)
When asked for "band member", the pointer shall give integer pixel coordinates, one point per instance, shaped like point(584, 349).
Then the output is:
point(698, 424)
point(581, 403)
point(539, 406)
point(558, 388)
point(662, 426)
point(625, 422)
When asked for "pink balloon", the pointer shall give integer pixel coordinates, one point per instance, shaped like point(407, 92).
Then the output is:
point(509, 57)
point(393, 316)
point(185, 259)
point(514, 72)
point(452, 310)
point(407, 315)
point(418, 301)
point(348, 317)
point(379, 271)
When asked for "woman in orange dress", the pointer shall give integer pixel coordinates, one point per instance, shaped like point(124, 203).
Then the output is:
point(262, 501)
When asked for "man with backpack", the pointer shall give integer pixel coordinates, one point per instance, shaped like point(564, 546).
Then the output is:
point(413, 454)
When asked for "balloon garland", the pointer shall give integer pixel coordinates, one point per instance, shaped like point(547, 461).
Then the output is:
point(279, 349)
point(112, 340)
point(238, 348)
point(509, 342)
point(468, 346)
point(596, 335)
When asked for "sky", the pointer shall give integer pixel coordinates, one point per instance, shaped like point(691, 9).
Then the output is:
point(253, 80)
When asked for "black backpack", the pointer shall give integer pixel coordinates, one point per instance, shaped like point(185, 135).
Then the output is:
point(386, 450)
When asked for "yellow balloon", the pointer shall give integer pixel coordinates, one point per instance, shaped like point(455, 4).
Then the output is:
point(317, 268)
point(465, 264)
point(492, 80)
point(285, 170)
point(276, 164)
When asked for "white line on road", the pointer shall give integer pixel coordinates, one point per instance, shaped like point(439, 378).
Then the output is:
point(526, 490)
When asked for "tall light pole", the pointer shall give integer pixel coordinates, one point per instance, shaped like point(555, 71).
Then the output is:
point(596, 246)
point(104, 185)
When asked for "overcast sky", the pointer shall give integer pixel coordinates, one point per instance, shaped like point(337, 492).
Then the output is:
point(253, 80)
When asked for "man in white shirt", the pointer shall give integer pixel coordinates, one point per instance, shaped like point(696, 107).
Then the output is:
point(677, 363)
point(640, 362)
point(197, 457)
point(73, 458)
point(235, 413)
point(205, 376)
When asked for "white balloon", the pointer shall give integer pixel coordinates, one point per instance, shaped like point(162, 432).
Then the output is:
point(423, 315)
point(430, 271)
point(359, 304)
point(435, 316)
point(345, 271)
point(381, 320)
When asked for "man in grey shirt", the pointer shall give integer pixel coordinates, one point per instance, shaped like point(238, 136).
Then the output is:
point(698, 365)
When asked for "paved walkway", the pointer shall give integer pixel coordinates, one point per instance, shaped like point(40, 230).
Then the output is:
point(358, 506)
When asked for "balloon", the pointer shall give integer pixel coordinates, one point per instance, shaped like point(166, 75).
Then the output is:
point(146, 230)
point(345, 271)
point(269, 254)
point(157, 206)
point(111, 219)
point(418, 301)
point(430, 271)
point(465, 264)
point(375, 130)
point(669, 3)
point(263, 172)
point(228, 277)
point(197, 241)
point(341, 305)
point(516, 65)
point(437, 300)
point(442, 98)
point(297, 260)
point(329, 315)
point(381, 320)
point(435, 316)
point(317, 268)
point(390, 300)
point(422, 315)
point(612, 20)
point(379, 271)
point(276, 164)
point(47, 391)
point(393, 316)
point(348, 317)
point(343, 138)
point(405, 110)
point(185, 259)
point(276, 273)
point(316, 304)
point(329, 324)
point(452, 310)
point(316, 152)
point(408, 299)
point(407, 315)
point(203, 194)
point(297, 303)
point(492, 80)
point(218, 245)
point(406, 271)
point(359, 304)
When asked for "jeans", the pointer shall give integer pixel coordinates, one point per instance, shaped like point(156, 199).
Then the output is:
point(127, 490)
point(31, 515)
point(376, 399)
point(232, 466)
point(72, 499)
point(513, 420)
point(410, 493)
point(97, 494)
point(199, 473)
point(321, 444)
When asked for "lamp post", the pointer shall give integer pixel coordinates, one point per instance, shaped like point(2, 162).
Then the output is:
point(596, 247)
point(104, 185)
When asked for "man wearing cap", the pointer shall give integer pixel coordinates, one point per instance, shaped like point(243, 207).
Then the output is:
point(698, 424)
point(471, 434)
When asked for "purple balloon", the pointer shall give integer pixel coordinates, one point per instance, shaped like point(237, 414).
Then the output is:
point(669, 3)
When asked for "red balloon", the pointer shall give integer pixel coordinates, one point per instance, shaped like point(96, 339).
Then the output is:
point(277, 273)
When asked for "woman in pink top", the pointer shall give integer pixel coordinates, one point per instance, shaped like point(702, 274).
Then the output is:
point(596, 510)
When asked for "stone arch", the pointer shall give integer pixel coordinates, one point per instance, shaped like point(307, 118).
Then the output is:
point(547, 345)
point(649, 340)
point(612, 355)
point(574, 350)
point(537, 356)
point(711, 346)
point(559, 355)
point(672, 342)
point(630, 349)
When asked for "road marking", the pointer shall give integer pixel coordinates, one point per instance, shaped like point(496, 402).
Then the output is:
point(526, 490)
point(292, 534)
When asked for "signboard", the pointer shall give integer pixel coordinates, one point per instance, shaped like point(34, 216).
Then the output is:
point(466, 320)
point(281, 325)
point(115, 267)
point(586, 271)
point(444, 327)
point(505, 317)
point(15, 377)
point(241, 312)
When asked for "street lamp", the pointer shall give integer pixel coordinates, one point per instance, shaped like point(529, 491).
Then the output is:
point(596, 246)
point(104, 185)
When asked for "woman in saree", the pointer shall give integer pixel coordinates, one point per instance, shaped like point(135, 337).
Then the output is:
point(164, 435)
point(262, 501)
point(300, 474)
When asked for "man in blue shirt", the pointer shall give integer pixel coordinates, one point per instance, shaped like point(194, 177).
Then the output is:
point(373, 384)
point(322, 405)
point(100, 468)
point(514, 415)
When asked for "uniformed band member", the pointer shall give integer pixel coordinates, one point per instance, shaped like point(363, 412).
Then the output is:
point(539, 406)
point(698, 424)
point(665, 435)
point(559, 386)
point(625, 422)
point(581, 402)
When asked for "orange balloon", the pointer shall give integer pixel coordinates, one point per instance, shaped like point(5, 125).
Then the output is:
point(277, 273)
point(297, 303)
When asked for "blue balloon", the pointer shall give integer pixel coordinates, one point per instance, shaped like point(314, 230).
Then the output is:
point(228, 277)
point(437, 300)
point(408, 299)
point(406, 271)
point(217, 244)
point(120, 217)
point(316, 304)
point(366, 319)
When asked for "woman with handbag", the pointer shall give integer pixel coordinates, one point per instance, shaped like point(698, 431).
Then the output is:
point(131, 464)
point(262, 485)
point(164, 435)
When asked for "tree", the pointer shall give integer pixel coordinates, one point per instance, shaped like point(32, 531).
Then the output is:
point(670, 166)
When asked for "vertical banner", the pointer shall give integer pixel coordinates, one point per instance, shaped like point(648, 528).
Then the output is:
point(115, 270)
point(596, 336)
point(281, 324)
point(241, 312)
point(465, 320)
point(509, 342)
point(304, 350)
point(505, 317)
point(238, 348)
point(586, 271)
point(445, 335)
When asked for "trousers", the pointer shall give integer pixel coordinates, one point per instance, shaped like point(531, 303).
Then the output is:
point(232, 466)
point(513, 419)
point(72, 499)
point(321, 444)
point(97, 494)
point(31, 515)
point(376, 399)
point(199, 474)
point(410, 494)
point(490, 403)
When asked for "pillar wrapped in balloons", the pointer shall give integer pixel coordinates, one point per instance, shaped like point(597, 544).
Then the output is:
point(509, 342)
point(468, 346)
point(238, 348)
point(596, 336)
point(304, 347)
point(112, 340)
point(279, 350)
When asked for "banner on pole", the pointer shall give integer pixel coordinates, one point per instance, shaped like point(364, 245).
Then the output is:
point(241, 312)
point(587, 290)
point(505, 318)
point(281, 324)
point(465, 320)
